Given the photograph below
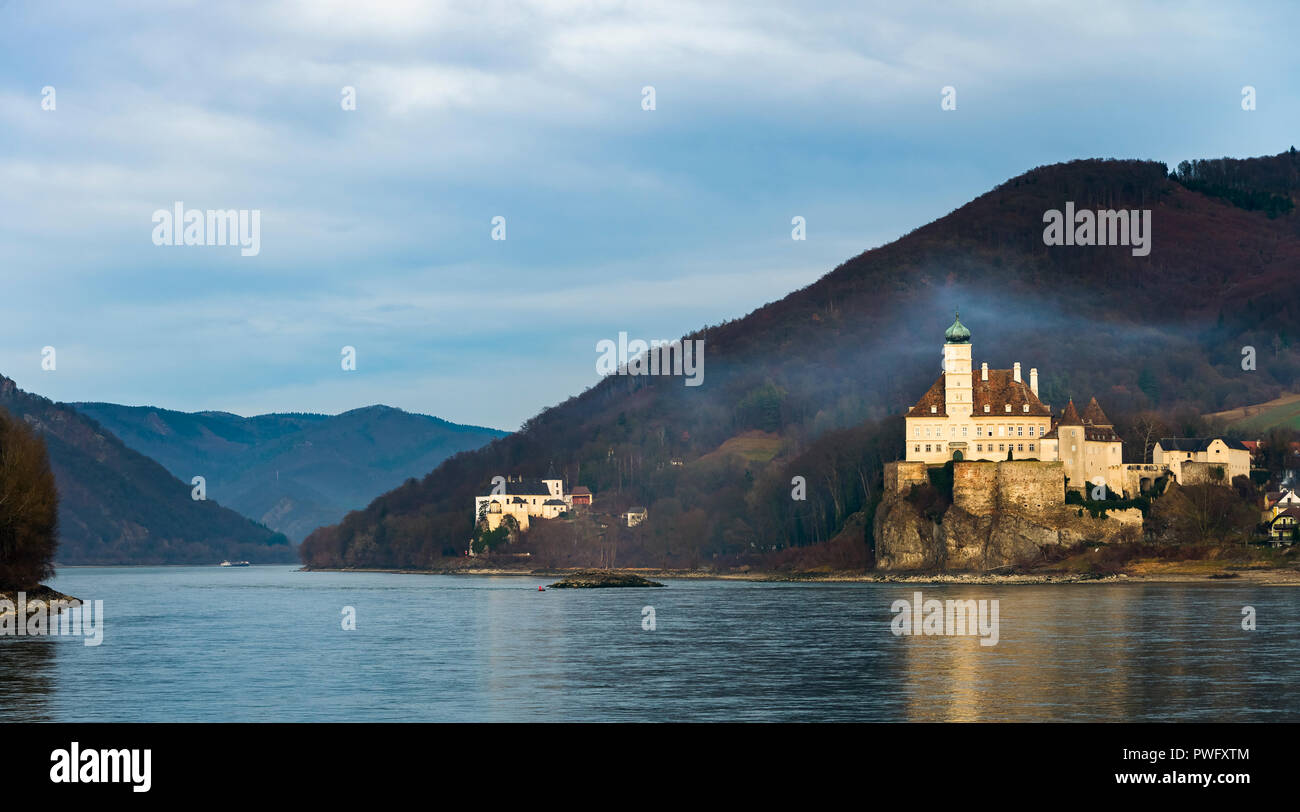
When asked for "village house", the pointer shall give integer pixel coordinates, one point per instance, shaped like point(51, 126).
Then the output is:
point(1282, 527)
point(635, 515)
point(1277, 501)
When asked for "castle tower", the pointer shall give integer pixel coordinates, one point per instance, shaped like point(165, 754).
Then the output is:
point(1071, 449)
point(958, 400)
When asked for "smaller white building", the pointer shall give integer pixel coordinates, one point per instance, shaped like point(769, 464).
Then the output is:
point(1173, 452)
point(521, 499)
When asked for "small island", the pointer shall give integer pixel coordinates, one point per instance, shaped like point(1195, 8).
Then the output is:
point(597, 579)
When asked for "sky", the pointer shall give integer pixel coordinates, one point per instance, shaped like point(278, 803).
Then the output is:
point(376, 222)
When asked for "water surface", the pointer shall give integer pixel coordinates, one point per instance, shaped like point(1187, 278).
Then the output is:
point(266, 644)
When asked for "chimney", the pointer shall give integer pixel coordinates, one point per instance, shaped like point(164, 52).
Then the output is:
point(1015, 374)
point(984, 371)
point(1033, 381)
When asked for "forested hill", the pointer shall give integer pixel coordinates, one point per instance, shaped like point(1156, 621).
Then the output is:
point(291, 472)
point(117, 506)
point(816, 369)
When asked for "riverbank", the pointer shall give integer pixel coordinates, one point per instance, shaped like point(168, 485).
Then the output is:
point(1154, 571)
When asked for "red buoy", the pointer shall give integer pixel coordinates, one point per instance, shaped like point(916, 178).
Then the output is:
point(541, 589)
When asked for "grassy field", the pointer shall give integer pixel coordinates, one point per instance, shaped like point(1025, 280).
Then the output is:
point(754, 446)
point(1283, 412)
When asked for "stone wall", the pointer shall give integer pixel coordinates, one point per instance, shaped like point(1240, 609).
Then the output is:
point(1200, 473)
point(900, 476)
point(1028, 487)
point(975, 486)
point(1133, 475)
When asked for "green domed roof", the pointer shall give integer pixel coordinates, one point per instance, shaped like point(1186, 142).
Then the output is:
point(957, 333)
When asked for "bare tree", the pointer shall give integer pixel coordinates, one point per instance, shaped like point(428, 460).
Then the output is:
point(28, 507)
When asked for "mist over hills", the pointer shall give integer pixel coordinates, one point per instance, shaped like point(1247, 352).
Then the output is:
point(292, 472)
point(117, 506)
point(830, 367)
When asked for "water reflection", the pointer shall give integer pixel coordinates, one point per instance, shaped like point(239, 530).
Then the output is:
point(1093, 652)
point(27, 679)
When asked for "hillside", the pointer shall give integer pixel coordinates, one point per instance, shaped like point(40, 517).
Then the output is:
point(1258, 418)
point(829, 367)
point(117, 506)
point(291, 472)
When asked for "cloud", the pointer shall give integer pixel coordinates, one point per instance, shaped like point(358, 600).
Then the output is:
point(376, 222)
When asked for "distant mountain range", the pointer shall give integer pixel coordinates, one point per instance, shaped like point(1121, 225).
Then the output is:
point(826, 370)
point(117, 506)
point(291, 472)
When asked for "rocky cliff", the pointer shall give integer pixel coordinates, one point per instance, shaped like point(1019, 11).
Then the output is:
point(1004, 532)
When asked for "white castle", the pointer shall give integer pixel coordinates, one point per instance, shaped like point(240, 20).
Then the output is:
point(996, 415)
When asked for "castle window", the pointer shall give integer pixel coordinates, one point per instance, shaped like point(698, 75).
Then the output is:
point(986, 408)
point(934, 410)
point(1002, 447)
point(918, 448)
point(1031, 446)
point(1020, 446)
point(963, 431)
point(1008, 407)
point(1020, 431)
point(1026, 407)
point(927, 447)
point(979, 446)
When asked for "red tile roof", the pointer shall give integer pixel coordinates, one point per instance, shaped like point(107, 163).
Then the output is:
point(997, 392)
point(1096, 426)
point(1094, 415)
point(1292, 512)
point(1069, 417)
